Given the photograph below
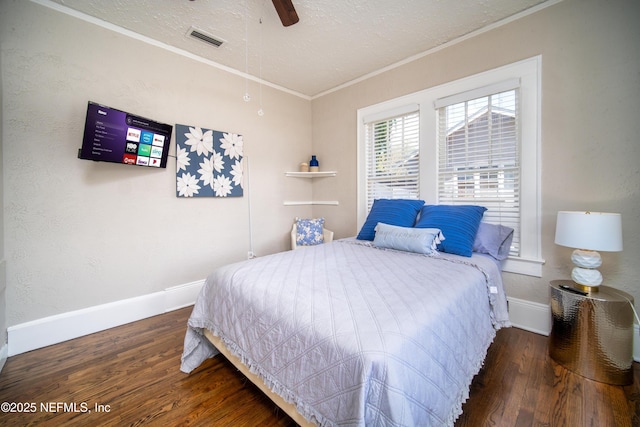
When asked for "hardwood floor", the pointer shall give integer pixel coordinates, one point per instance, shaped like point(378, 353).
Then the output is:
point(520, 385)
point(130, 376)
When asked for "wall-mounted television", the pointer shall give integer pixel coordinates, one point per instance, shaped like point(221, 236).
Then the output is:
point(112, 135)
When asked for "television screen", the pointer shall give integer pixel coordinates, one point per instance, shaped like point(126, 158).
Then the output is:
point(116, 136)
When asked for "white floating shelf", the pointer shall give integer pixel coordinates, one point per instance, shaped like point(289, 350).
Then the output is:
point(311, 174)
point(312, 202)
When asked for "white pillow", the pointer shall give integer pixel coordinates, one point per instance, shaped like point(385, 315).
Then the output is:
point(418, 240)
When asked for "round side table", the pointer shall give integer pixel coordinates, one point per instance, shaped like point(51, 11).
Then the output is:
point(592, 335)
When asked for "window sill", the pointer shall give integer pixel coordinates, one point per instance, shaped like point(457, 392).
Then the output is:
point(526, 266)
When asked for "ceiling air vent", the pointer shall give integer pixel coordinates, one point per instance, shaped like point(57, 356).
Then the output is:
point(202, 36)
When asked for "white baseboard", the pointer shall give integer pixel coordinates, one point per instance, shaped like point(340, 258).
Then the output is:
point(62, 327)
point(530, 316)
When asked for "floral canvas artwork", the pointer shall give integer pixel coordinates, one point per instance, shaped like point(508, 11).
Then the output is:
point(208, 163)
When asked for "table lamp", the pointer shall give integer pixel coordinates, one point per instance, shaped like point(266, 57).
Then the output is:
point(588, 232)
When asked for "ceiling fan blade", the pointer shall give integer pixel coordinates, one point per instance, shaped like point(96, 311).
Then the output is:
point(286, 12)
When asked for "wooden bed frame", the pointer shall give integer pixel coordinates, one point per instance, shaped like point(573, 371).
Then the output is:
point(287, 407)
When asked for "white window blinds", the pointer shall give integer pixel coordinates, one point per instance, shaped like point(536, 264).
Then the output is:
point(392, 156)
point(479, 157)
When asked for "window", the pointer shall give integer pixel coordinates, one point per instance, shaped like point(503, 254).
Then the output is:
point(478, 157)
point(479, 143)
point(392, 156)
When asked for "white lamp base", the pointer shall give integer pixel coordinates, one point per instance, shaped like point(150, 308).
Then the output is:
point(586, 259)
point(585, 272)
point(586, 276)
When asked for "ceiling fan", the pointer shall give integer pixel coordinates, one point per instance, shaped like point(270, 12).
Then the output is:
point(286, 12)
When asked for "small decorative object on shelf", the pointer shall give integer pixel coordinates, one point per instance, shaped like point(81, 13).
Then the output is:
point(314, 166)
point(304, 167)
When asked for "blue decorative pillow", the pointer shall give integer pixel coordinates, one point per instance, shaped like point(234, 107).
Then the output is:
point(419, 240)
point(493, 239)
point(458, 223)
point(309, 231)
point(400, 212)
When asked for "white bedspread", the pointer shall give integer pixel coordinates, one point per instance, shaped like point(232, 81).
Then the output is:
point(353, 335)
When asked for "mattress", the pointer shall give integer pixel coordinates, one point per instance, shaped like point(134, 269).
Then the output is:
point(354, 335)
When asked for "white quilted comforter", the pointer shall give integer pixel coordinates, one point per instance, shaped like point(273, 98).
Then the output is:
point(353, 335)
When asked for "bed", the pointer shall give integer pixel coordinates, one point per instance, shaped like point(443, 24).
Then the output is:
point(388, 328)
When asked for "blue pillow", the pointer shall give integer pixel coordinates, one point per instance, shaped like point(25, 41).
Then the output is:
point(458, 223)
point(493, 239)
point(418, 240)
point(309, 231)
point(400, 212)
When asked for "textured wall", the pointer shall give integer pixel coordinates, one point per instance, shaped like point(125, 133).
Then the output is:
point(81, 233)
point(590, 126)
point(3, 276)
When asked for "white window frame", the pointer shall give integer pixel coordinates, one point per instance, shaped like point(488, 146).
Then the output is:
point(528, 72)
point(412, 110)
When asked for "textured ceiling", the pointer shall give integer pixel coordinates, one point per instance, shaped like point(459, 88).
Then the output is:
point(336, 41)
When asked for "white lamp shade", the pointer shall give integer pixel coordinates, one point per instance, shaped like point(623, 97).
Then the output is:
point(596, 231)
